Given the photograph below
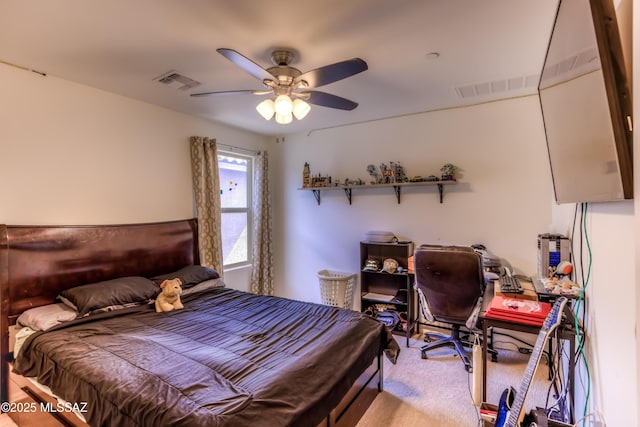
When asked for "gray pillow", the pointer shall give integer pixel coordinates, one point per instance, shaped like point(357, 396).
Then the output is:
point(47, 316)
point(190, 275)
point(100, 296)
point(203, 286)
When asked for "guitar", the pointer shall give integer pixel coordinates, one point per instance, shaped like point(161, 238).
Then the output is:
point(510, 407)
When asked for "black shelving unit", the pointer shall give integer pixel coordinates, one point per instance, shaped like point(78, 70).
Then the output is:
point(391, 290)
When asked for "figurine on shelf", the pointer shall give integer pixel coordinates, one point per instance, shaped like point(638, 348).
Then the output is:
point(351, 182)
point(398, 173)
point(321, 181)
point(306, 176)
point(373, 171)
point(386, 174)
point(448, 171)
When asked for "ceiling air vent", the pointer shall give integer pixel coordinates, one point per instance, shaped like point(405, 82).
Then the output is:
point(573, 66)
point(177, 80)
point(498, 87)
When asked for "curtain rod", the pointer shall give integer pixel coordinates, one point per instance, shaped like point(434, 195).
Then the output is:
point(232, 148)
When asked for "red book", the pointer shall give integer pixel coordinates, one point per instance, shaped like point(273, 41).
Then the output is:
point(516, 309)
point(517, 319)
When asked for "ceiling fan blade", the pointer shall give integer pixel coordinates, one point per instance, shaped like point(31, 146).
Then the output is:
point(328, 100)
point(231, 92)
point(246, 64)
point(334, 72)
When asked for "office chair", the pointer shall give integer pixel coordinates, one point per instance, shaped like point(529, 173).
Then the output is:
point(449, 281)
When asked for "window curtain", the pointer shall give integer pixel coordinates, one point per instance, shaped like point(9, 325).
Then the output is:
point(206, 186)
point(262, 271)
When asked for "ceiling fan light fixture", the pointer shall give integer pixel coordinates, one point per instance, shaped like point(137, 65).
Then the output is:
point(266, 109)
point(283, 105)
point(284, 81)
point(300, 108)
point(284, 119)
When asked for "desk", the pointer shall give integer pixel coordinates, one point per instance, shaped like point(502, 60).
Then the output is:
point(564, 331)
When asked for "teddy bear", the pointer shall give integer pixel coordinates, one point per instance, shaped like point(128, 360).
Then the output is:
point(169, 298)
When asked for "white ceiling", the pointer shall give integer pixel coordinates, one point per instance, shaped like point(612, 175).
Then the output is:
point(488, 49)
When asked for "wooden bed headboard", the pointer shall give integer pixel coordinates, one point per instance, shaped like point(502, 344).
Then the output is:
point(38, 262)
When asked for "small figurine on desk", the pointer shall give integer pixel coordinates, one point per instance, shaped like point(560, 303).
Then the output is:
point(561, 286)
point(563, 269)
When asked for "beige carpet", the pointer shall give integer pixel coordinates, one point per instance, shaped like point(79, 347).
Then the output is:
point(436, 391)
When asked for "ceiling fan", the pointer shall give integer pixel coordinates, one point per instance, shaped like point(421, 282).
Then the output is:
point(291, 87)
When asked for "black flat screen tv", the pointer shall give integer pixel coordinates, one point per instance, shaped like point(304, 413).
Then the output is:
point(586, 105)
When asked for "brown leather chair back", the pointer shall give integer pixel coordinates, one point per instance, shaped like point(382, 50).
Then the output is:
point(451, 279)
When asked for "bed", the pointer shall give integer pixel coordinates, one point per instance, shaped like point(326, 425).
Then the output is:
point(228, 358)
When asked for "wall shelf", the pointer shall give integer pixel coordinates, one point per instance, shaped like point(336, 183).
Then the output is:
point(396, 188)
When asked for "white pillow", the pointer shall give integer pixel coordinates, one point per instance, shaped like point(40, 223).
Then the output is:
point(46, 317)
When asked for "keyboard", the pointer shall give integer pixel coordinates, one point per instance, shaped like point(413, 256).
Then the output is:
point(510, 285)
point(539, 286)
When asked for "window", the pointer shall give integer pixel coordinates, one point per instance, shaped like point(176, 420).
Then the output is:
point(235, 197)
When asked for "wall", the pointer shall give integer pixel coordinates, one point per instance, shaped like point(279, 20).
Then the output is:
point(502, 199)
point(72, 154)
point(608, 262)
point(611, 314)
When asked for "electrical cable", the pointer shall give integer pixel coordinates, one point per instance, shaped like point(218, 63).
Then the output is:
point(581, 251)
point(592, 415)
point(573, 233)
point(561, 405)
point(514, 338)
point(478, 417)
point(579, 227)
point(504, 348)
point(556, 383)
point(560, 389)
point(469, 388)
point(579, 301)
point(551, 385)
point(544, 354)
point(562, 396)
point(560, 408)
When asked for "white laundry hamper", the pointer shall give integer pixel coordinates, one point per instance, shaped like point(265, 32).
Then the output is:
point(336, 288)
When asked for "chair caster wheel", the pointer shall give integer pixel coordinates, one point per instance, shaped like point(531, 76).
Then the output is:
point(423, 356)
point(469, 369)
point(494, 358)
